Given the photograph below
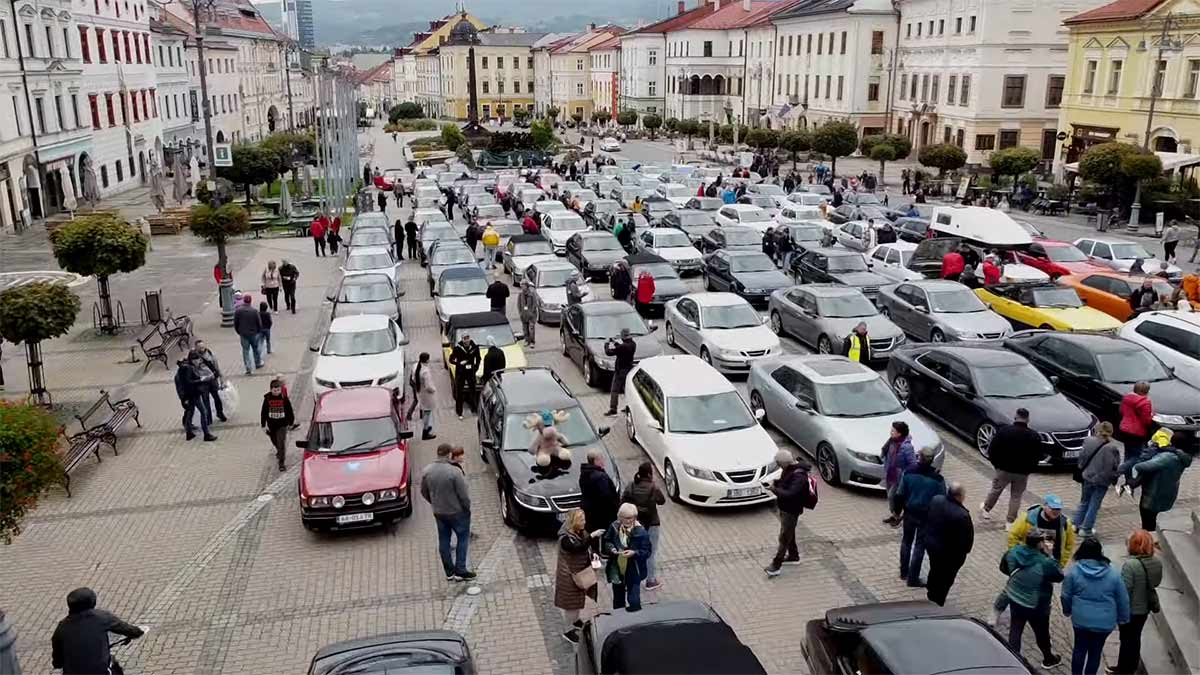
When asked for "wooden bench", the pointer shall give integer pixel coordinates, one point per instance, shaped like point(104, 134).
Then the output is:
point(78, 447)
point(177, 329)
point(91, 436)
point(154, 352)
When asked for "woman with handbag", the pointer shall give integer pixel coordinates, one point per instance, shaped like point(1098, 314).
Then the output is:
point(575, 578)
point(1142, 573)
point(1097, 470)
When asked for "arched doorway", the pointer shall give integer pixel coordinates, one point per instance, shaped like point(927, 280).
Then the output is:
point(220, 136)
point(1166, 144)
point(924, 133)
point(272, 118)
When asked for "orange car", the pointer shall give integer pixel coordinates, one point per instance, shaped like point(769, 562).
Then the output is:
point(1109, 291)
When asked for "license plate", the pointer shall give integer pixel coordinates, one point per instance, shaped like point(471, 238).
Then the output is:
point(737, 493)
point(355, 518)
point(1070, 454)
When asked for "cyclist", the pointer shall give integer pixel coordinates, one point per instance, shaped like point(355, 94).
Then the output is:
point(80, 642)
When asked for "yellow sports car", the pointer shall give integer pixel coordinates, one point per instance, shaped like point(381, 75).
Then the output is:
point(481, 326)
point(1045, 305)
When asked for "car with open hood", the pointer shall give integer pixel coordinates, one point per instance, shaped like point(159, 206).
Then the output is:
point(723, 329)
point(521, 251)
point(838, 266)
point(587, 326)
point(366, 293)
point(355, 469)
point(461, 290)
point(940, 310)
point(447, 254)
point(667, 284)
point(360, 351)
point(750, 274)
point(822, 315)
point(672, 245)
point(408, 653)
point(482, 326)
point(593, 253)
point(533, 496)
point(549, 282)
point(1045, 305)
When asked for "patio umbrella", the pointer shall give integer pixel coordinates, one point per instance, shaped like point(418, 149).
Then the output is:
point(158, 193)
point(68, 189)
point(179, 186)
point(285, 199)
point(91, 184)
point(308, 182)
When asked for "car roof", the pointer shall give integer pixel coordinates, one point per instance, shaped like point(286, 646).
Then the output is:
point(1097, 343)
point(742, 253)
point(475, 320)
point(552, 265)
point(594, 234)
point(936, 284)
point(901, 646)
point(1168, 316)
point(529, 389)
point(369, 250)
point(685, 375)
point(744, 207)
point(655, 231)
point(353, 403)
point(643, 258)
point(829, 368)
point(984, 356)
point(830, 290)
point(900, 246)
point(526, 238)
point(605, 308)
point(1106, 240)
point(358, 323)
point(716, 299)
point(834, 252)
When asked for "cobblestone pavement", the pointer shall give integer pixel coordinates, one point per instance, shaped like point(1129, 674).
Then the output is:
point(202, 541)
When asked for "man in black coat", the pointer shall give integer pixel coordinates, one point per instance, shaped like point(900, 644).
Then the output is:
point(398, 237)
point(465, 359)
point(410, 234)
point(189, 389)
point(791, 494)
point(624, 350)
point(497, 295)
point(79, 645)
point(949, 535)
point(1015, 452)
point(598, 494)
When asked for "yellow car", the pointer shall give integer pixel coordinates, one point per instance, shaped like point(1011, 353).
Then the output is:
point(1045, 305)
point(480, 326)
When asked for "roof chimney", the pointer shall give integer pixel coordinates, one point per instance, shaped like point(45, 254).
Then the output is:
point(591, 26)
point(682, 7)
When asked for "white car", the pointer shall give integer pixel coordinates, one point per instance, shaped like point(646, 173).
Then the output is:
point(544, 206)
point(373, 259)
point(694, 426)
point(723, 329)
point(1174, 337)
point(891, 261)
point(610, 144)
point(529, 196)
point(765, 202)
point(791, 214)
point(429, 215)
point(674, 246)
point(677, 193)
point(770, 190)
point(856, 235)
point(360, 351)
point(558, 226)
point(1120, 255)
point(807, 199)
point(427, 198)
point(744, 214)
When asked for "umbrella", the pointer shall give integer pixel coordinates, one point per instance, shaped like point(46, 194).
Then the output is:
point(91, 184)
point(68, 189)
point(179, 186)
point(158, 193)
point(285, 199)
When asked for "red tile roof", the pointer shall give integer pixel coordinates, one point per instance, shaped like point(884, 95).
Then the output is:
point(732, 15)
point(679, 21)
point(769, 11)
point(380, 73)
point(1116, 11)
point(613, 42)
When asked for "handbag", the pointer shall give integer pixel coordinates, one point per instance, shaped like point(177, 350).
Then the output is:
point(585, 578)
point(1077, 472)
point(1151, 592)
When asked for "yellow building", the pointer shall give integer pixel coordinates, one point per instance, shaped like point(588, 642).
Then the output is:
point(425, 80)
point(503, 72)
point(1118, 58)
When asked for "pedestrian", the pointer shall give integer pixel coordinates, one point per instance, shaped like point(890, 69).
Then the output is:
point(80, 643)
point(1159, 477)
point(465, 359)
point(247, 323)
point(491, 243)
point(1098, 467)
point(187, 388)
point(1048, 519)
point(949, 535)
point(471, 236)
point(276, 417)
point(425, 393)
point(917, 489)
point(899, 458)
point(529, 225)
point(493, 360)
point(1170, 239)
point(645, 495)
point(333, 238)
point(574, 576)
point(209, 361)
point(768, 244)
point(1142, 298)
point(627, 545)
point(497, 295)
point(905, 182)
point(1094, 596)
point(1015, 452)
point(1137, 418)
point(623, 351)
point(1141, 572)
point(444, 486)
point(9, 665)
point(597, 492)
point(991, 270)
point(410, 233)
point(451, 200)
point(574, 290)
point(784, 248)
point(1032, 573)
point(793, 493)
point(527, 309)
point(264, 335)
point(645, 292)
point(886, 234)
point(953, 265)
point(381, 198)
point(857, 345)
point(317, 231)
point(271, 282)
point(398, 189)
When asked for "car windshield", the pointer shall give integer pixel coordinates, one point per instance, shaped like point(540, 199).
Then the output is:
point(1012, 381)
point(452, 255)
point(754, 215)
point(368, 261)
point(803, 234)
point(729, 316)
point(847, 263)
point(604, 206)
point(958, 301)
point(532, 248)
point(370, 238)
point(750, 263)
point(583, 195)
point(658, 270)
point(605, 243)
point(438, 233)
point(459, 286)
point(846, 306)
point(708, 414)
point(352, 436)
point(691, 219)
point(567, 224)
point(575, 428)
point(366, 292)
point(507, 229)
point(671, 239)
point(555, 278)
point(1056, 297)
point(1129, 251)
point(604, 326)
point(359, 343)
point(741, 237)
point(1130, 366)
point(762, 201)
point(1065, 254)
point(865, 398)
point(502, 333)
point(489, 211)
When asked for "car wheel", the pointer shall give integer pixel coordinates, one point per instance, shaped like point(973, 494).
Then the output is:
point(671, 480)
point(827, 464)
point(983, 437)
point(670, 334)
point(776, 323)
point(705, 356)
point(824, 346)
point(537, 317)
point(902, 388)
point(589, 373)
point(756, 403)
point(629, 430)
point(707, 283)
point(937, 336)
point(562, 338)
point(508, 506)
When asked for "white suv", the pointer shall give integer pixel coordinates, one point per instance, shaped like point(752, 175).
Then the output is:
point(696, 429)
point(1174, 337)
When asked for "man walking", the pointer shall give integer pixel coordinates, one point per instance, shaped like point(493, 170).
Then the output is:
point(949, 536)
point(276, 417)
point(1015, 451)
point(208, 360)
point(444, 486)
point(317, 230)
point(491, 241)
point(247, 323)
point(410, 233)
point(382, 199)
point(465, 359)
point(917, 489)
point(187, 388)
point(288, 274)
point(624, 351)
point(1170, 239)
point(497, 295)
point(527, 308)
point(791, 492)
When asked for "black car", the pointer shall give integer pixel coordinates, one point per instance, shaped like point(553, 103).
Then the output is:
point(366, 293)
point(656, 208)
point(892, 638)
point(416, 652)
point(848, 212)
point(731, 238)
point(803, 235)
point(587, 326)
point(910, 229)
point(750, 274)
point(838, 266)
point(597, 210)
point(532, 496)
point(977, 389)
point(592, 253)
point(695, 223)
point(1096, 371)
point(667, 284)
point(708, 204)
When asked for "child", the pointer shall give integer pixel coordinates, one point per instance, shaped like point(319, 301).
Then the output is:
point(1161, 440)
point(333, 238)
point(276, 417)
point(264, 336)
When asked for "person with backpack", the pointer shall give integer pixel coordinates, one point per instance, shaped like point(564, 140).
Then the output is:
point(794, 490)
point(1032, 573)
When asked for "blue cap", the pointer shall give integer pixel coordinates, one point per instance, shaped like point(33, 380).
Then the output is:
point(547, 418)
point(1053, 501)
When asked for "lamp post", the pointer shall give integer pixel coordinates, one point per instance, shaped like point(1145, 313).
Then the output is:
point(1165, 44)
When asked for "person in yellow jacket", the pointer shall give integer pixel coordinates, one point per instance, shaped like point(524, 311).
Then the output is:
point(857, 345)
point(1048, 518)
point(491, 242)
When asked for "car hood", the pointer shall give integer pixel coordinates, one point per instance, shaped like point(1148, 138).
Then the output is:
point(973, 322)
point(863, 434)
point(879, 327)
point(1081, 318)
point(647, 346)
point(1022, 272)
point(559, 237)
point(514, 357)
point(605, 258)
point(770, 279)
point(462, 304)
point(1171, 397)
point(860, 278)
point(522, 261)
point(678, 253)
point(323, 474)
point(669, 288)
point(751, 338)
point(1046, 413)
point(384, 307)
point(519, 465)
point(556, 295)
point(359, 368)
point(739, 247)
point(741, 449)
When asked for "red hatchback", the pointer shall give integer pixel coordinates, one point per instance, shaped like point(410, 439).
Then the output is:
point(355, 470)
point(1057, 258)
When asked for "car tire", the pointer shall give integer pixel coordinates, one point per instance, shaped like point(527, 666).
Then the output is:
point(902, 388)
point(671, 480)
point(670, 330)
point(827, 464)
point(824, 345)
point(776, 323)
point(508, 506)
point(756, 403)
point(589, 373)
point(629, 430)
point(983, 438)
point(936, 335)
point(562, 338)
point(707, 283)
point(705, 356)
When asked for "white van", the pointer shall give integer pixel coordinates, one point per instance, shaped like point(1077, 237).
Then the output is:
point(981, 225)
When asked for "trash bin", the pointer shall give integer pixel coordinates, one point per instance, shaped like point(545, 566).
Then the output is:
point(153, 305)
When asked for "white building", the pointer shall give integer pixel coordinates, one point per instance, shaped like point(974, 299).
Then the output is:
point(174, 82)
point(404, 75)
point(543, 90)
point(606, 71)
point(643, 73)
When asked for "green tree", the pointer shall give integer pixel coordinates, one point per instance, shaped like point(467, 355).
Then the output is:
point(689, 128)
point(405, 111)
point(99, 246)
point(943, 157)
point(652, 123)
point(795, 142)
point(601, 115)
point(542, 132)
point(35, 312)
point(671, 124)
point(835, 138)
point(627, 118)
point(252, 165)
point(29, 462)
point(520, 114)
point(452, 137)
point(577, 117)
point(1118, 168)
point(1014, 162)
point(217, 226)
point(762, 138)
point(885, 148)
point(552, 114)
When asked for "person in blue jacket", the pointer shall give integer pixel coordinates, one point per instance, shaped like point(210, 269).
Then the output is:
point(627, 547)
point(1095, 598)
point(917, 489)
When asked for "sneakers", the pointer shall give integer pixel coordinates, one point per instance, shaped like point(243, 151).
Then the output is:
point(919, 583)
point(223, 418)
point(891, 520)
point(610, 413)
point(191, 435)
point(791, 561)
point(465, 575)
point(460, 417)
point(571, 636)
point(428, 436)
point(653, 585)
point(771, 571)
point(210, 437)
point(1051, 661)
point(282, 468)
point(984, 513)
point(453, 577)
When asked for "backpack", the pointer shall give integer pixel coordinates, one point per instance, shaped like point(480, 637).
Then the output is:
point(810, 495)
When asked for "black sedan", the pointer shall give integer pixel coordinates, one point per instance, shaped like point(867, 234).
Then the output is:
point(592, 253)
point(587, 326)
point(693, 222)
point(366, 293)
point(1096, 371)
point(731, 238)
point(915, 230)
point(750, 274)
point(838, 266)
point(976, 390)
point(415, 652)
point(656, 208)
point(667, 284)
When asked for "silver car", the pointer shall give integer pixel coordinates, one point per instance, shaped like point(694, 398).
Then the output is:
point(939, 310)
point(1120, 255)
point(822, 315)
point(838, 411)
point(549, 281)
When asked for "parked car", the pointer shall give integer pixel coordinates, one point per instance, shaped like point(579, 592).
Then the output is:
point(610, 221)
point(366, 293)
point(838, 266)
point(1174, 337)
point(1119, 255)
point(806, 199)
point(698, 432)
point(910, 229)
point(674, 246)
point(848, 212)
point(855, 235)
point(745, 215)
point(722, 329)
point(447, 254)
point(1109, 291)
point(409, 653)
point(937, 310)
point(358, 427)
point(430, 234)
point(667, 284)
point(377, 259)
point(835, 410)
point(369, 237)
point(610, 144)
point(750, 274)
point(764, 202)
point(596, 211)
point(731, 238)
point(587, 326)
point(1045, 305)
point(549, 281)
point(522, 251)
point(558, 227)
point(1057, 258)
point(692, 222)
point(677, 193)
point(593, 253)
point(531, 497)
point(460, 290)
point(771, 190)
point(360, 351)
point(507, 229)
point(891, 261)
point(975, 390)
point(704, 204)
point(927, 258)
point(822, 315)
point(791, 214)
point(481, 326)
point(656, 208)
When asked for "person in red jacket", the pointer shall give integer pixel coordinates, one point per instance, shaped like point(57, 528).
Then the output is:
point(700, 190)
point(953, 265)
point(529, 225)
point(317, 230)
point(1137, 420)
point(991, 271)
point(645, 291)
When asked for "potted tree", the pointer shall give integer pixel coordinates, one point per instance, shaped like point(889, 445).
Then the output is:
point(31, 314)
point(30, 460)
point(100, 246)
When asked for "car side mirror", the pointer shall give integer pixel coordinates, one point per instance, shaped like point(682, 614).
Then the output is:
point(314, 348)
point(1054, 380)
point(652, 326)
point(303, 445)
point(964, 390)
point(403, 340)
point(404, 435)
point(603, 431)
point(804, 404)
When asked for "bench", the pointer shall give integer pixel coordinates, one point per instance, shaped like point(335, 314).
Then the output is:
point(177, 329)
point(91, 436)
point(78, 447)
point(154, 352)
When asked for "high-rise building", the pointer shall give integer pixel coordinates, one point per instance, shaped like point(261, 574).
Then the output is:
point(298, 23)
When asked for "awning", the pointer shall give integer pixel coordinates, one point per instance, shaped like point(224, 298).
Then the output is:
point(1171, 161)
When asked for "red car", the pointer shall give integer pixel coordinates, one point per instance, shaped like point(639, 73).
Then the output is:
point(1057, 258)
point(355, 470)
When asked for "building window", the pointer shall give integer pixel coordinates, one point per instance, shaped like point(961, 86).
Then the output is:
point(1014, 92)
point(94, 104)
point(40, 111)
point(842, 50)
point(500, 62)
point(116, 45)
point(941, 27)
point(1089, 77)
point(1193, 81)
point(58, 113)
point(29, 49)
point(971, 25)
point(483, 62)
point(912, 93)
point(828, 83)
point(1114, 77)
point(111, 110)
point(931, 28)
point(708, 48)
point(872, 91)
point(578, 64)
point(487, 87)
point(919, 24)
point(49, 42)
point(516, 65)
point(958, 26)
point(841, 84)
point(908, 30)
point(924, 87)
point(1054, 90)
point(653, 57)
point(933, 90)
point(985, 141)
point(960, 137)
point(516, 88)
point(808, 44)
point(951, 85)
point(877, 42)
point(84, 49)
point(103, 176)
point(1160, 77)
point(100, 47)
point(161, 61)
point(120, 172)
point(125, 108)
point(964, 97)
point(529, 87)
point(903, 86)
point(500, 86)
point(653, 87)
point(946, 135)
point(820, 43)
point(1009, 138)
point(529, 62)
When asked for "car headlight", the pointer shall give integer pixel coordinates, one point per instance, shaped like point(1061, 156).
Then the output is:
point(1046, 438)
point(901, 338)
point(1170, 419)
point(389, 377)
point(325, 383)
point(532, 501)
point(388, 495)
point(868, 457)
point(338, 502)
point(551, 305)
point(695, 472)
point(318, 502)
point(368, 498)
point(607, 362)
point(730, 353)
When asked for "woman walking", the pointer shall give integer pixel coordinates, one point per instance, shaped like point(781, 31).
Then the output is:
point(1098, 470)
point(627, 546)
point(645, 495)
point(575, 579)
point(1137, 419)
point(1142, 573)
point(1159, 478)
point(1094, 596)
point(271, 281)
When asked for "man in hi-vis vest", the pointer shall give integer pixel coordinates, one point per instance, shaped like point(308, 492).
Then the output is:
point(857, 345)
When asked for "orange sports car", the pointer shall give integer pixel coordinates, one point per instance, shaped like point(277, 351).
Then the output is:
point(1109, 291)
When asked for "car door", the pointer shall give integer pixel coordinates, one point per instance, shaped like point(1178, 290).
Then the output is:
point(1102, 253)
point(807, 318)
point(574, 252)
point(1086, 246)
point(650, 417)
point(963, 411)
point(719, 272)
point(900, 307)
point(928, 380)
point(647, 240)
point(1077, 375)
point(920, 313)
point(781, 403)
point(573, 334)
point(788, 308)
